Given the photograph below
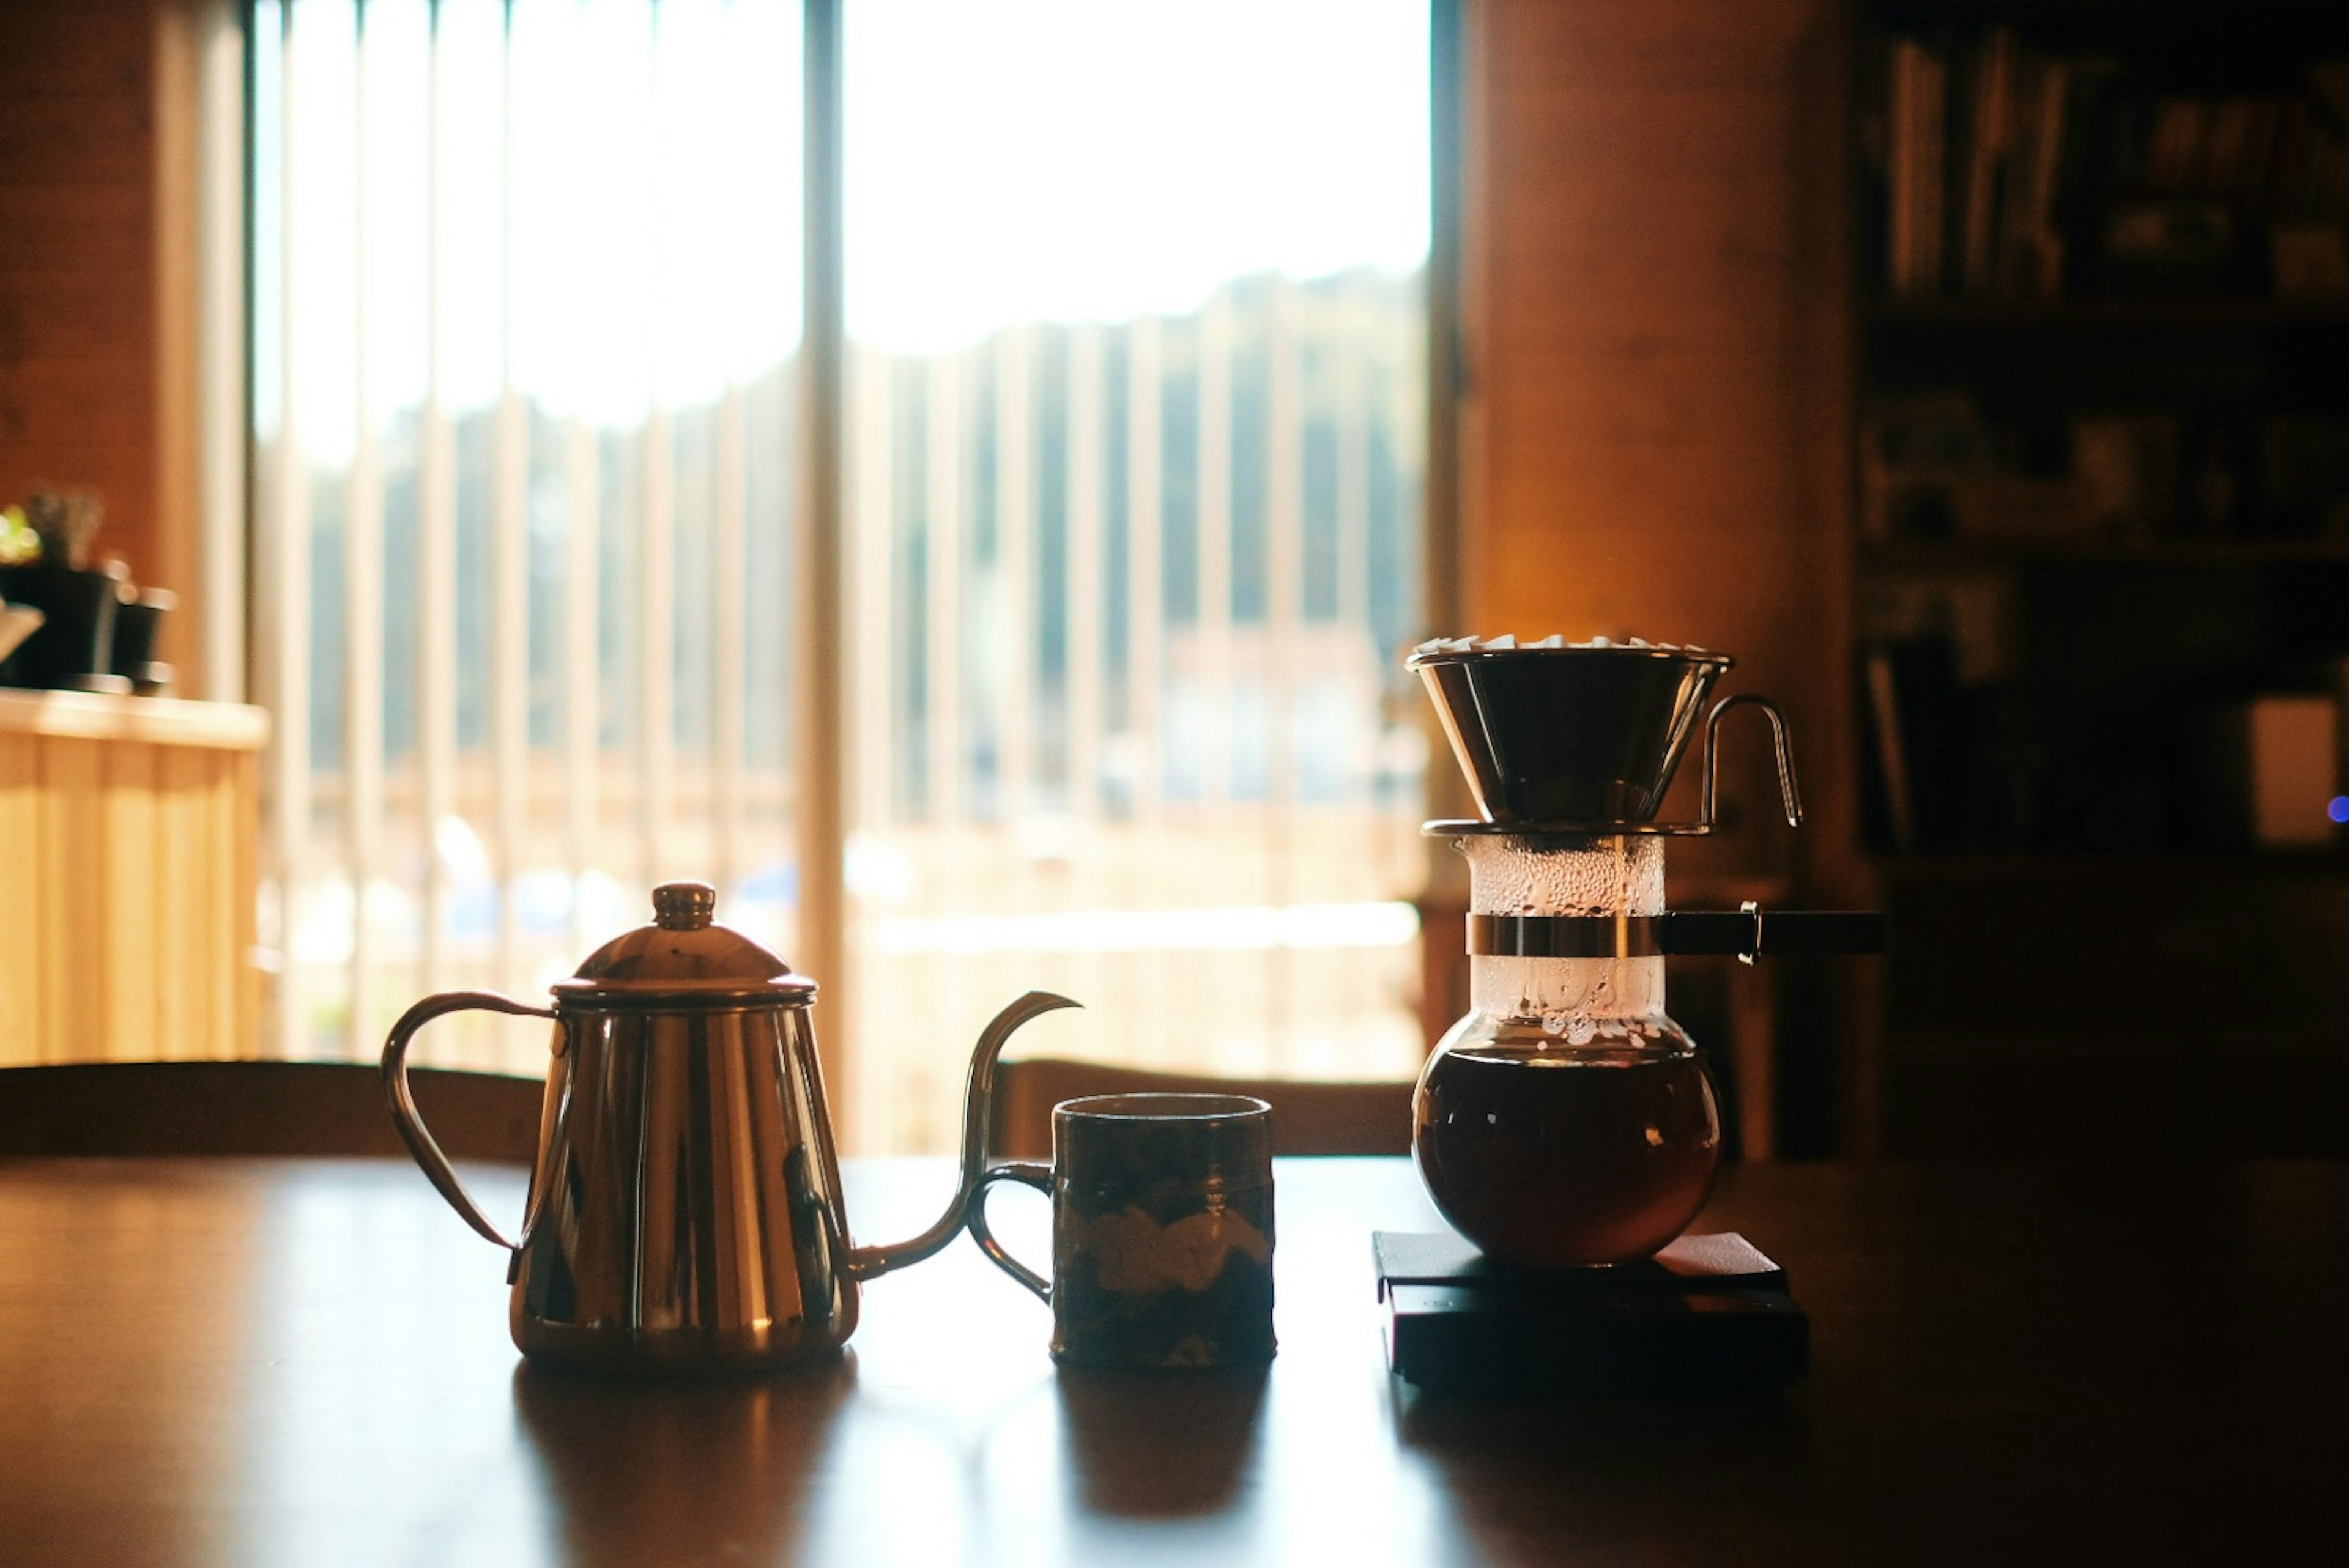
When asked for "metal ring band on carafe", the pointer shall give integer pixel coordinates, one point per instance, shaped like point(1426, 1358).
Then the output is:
point(1749, 932)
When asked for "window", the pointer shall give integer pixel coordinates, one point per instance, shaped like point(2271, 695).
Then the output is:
point(1131, 468)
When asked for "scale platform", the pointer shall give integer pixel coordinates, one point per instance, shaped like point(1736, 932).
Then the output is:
point(1709, 1314)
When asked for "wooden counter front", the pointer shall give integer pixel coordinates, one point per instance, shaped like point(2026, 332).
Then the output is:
point(128, 829)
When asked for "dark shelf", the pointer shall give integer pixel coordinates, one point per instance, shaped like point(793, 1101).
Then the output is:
point(2003, 866)
point(2121, 315)
point(2101, 564)
point(2102, 484)
point(2137, 27)
point(2184, 353)
point(1977, 556)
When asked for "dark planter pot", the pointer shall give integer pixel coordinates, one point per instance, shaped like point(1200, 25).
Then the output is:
point(74, 649)
point(136, 626)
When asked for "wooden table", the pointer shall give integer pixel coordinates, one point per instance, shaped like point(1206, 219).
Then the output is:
point(301, 1362)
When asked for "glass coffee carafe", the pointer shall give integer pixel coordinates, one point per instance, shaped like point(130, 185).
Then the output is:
point(1566, 1120)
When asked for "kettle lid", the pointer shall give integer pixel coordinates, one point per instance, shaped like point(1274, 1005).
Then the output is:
point(683, 956)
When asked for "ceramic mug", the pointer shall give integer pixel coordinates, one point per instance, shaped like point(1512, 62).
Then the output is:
point(1162, 1230)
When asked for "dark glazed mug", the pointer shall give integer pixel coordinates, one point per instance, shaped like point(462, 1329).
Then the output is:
point(1161, 1231)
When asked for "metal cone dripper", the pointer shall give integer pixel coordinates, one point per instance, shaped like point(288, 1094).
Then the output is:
point(1587, 735)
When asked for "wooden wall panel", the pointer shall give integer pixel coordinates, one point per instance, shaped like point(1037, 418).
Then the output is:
point(72, 48)
point(1657, 360)
point(60, 227)
point(78, 277)
point(65, 402)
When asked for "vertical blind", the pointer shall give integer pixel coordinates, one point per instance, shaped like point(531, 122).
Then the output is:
point(1124, 579)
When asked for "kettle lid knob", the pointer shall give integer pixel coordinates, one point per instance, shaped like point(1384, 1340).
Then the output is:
point(684, 906)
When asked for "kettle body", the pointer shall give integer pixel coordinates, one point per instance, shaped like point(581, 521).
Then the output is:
point(686, 1206)
point(685, 1211)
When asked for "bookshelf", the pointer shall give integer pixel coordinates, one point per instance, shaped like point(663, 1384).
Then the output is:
point(2102, 461)
point(2101, 568)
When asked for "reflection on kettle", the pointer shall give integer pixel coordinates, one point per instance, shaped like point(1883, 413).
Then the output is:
point(685, 1211)
point(700, 1473)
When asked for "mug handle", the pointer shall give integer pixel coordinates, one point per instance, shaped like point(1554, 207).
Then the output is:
point(975, 1218)
point(403, 1105)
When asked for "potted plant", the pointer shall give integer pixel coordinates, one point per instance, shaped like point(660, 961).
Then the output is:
point(73, 649)
point(18, 543)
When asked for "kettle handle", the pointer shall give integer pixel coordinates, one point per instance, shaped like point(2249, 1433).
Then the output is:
point(977, 1102)
point(403, 1105)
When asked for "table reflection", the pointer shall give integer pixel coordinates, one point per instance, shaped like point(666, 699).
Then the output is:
point(637, 1472)
point(1159, 1445)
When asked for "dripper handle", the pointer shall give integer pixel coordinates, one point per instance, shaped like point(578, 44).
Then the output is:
point(412, 1132)
point(1788, 791)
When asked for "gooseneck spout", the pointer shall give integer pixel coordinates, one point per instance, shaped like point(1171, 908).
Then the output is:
point(977, 1104)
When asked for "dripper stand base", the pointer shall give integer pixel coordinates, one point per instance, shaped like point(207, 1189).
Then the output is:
point(1710, 1315)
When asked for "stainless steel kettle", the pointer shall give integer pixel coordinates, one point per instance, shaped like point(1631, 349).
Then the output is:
point(685, 1211)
